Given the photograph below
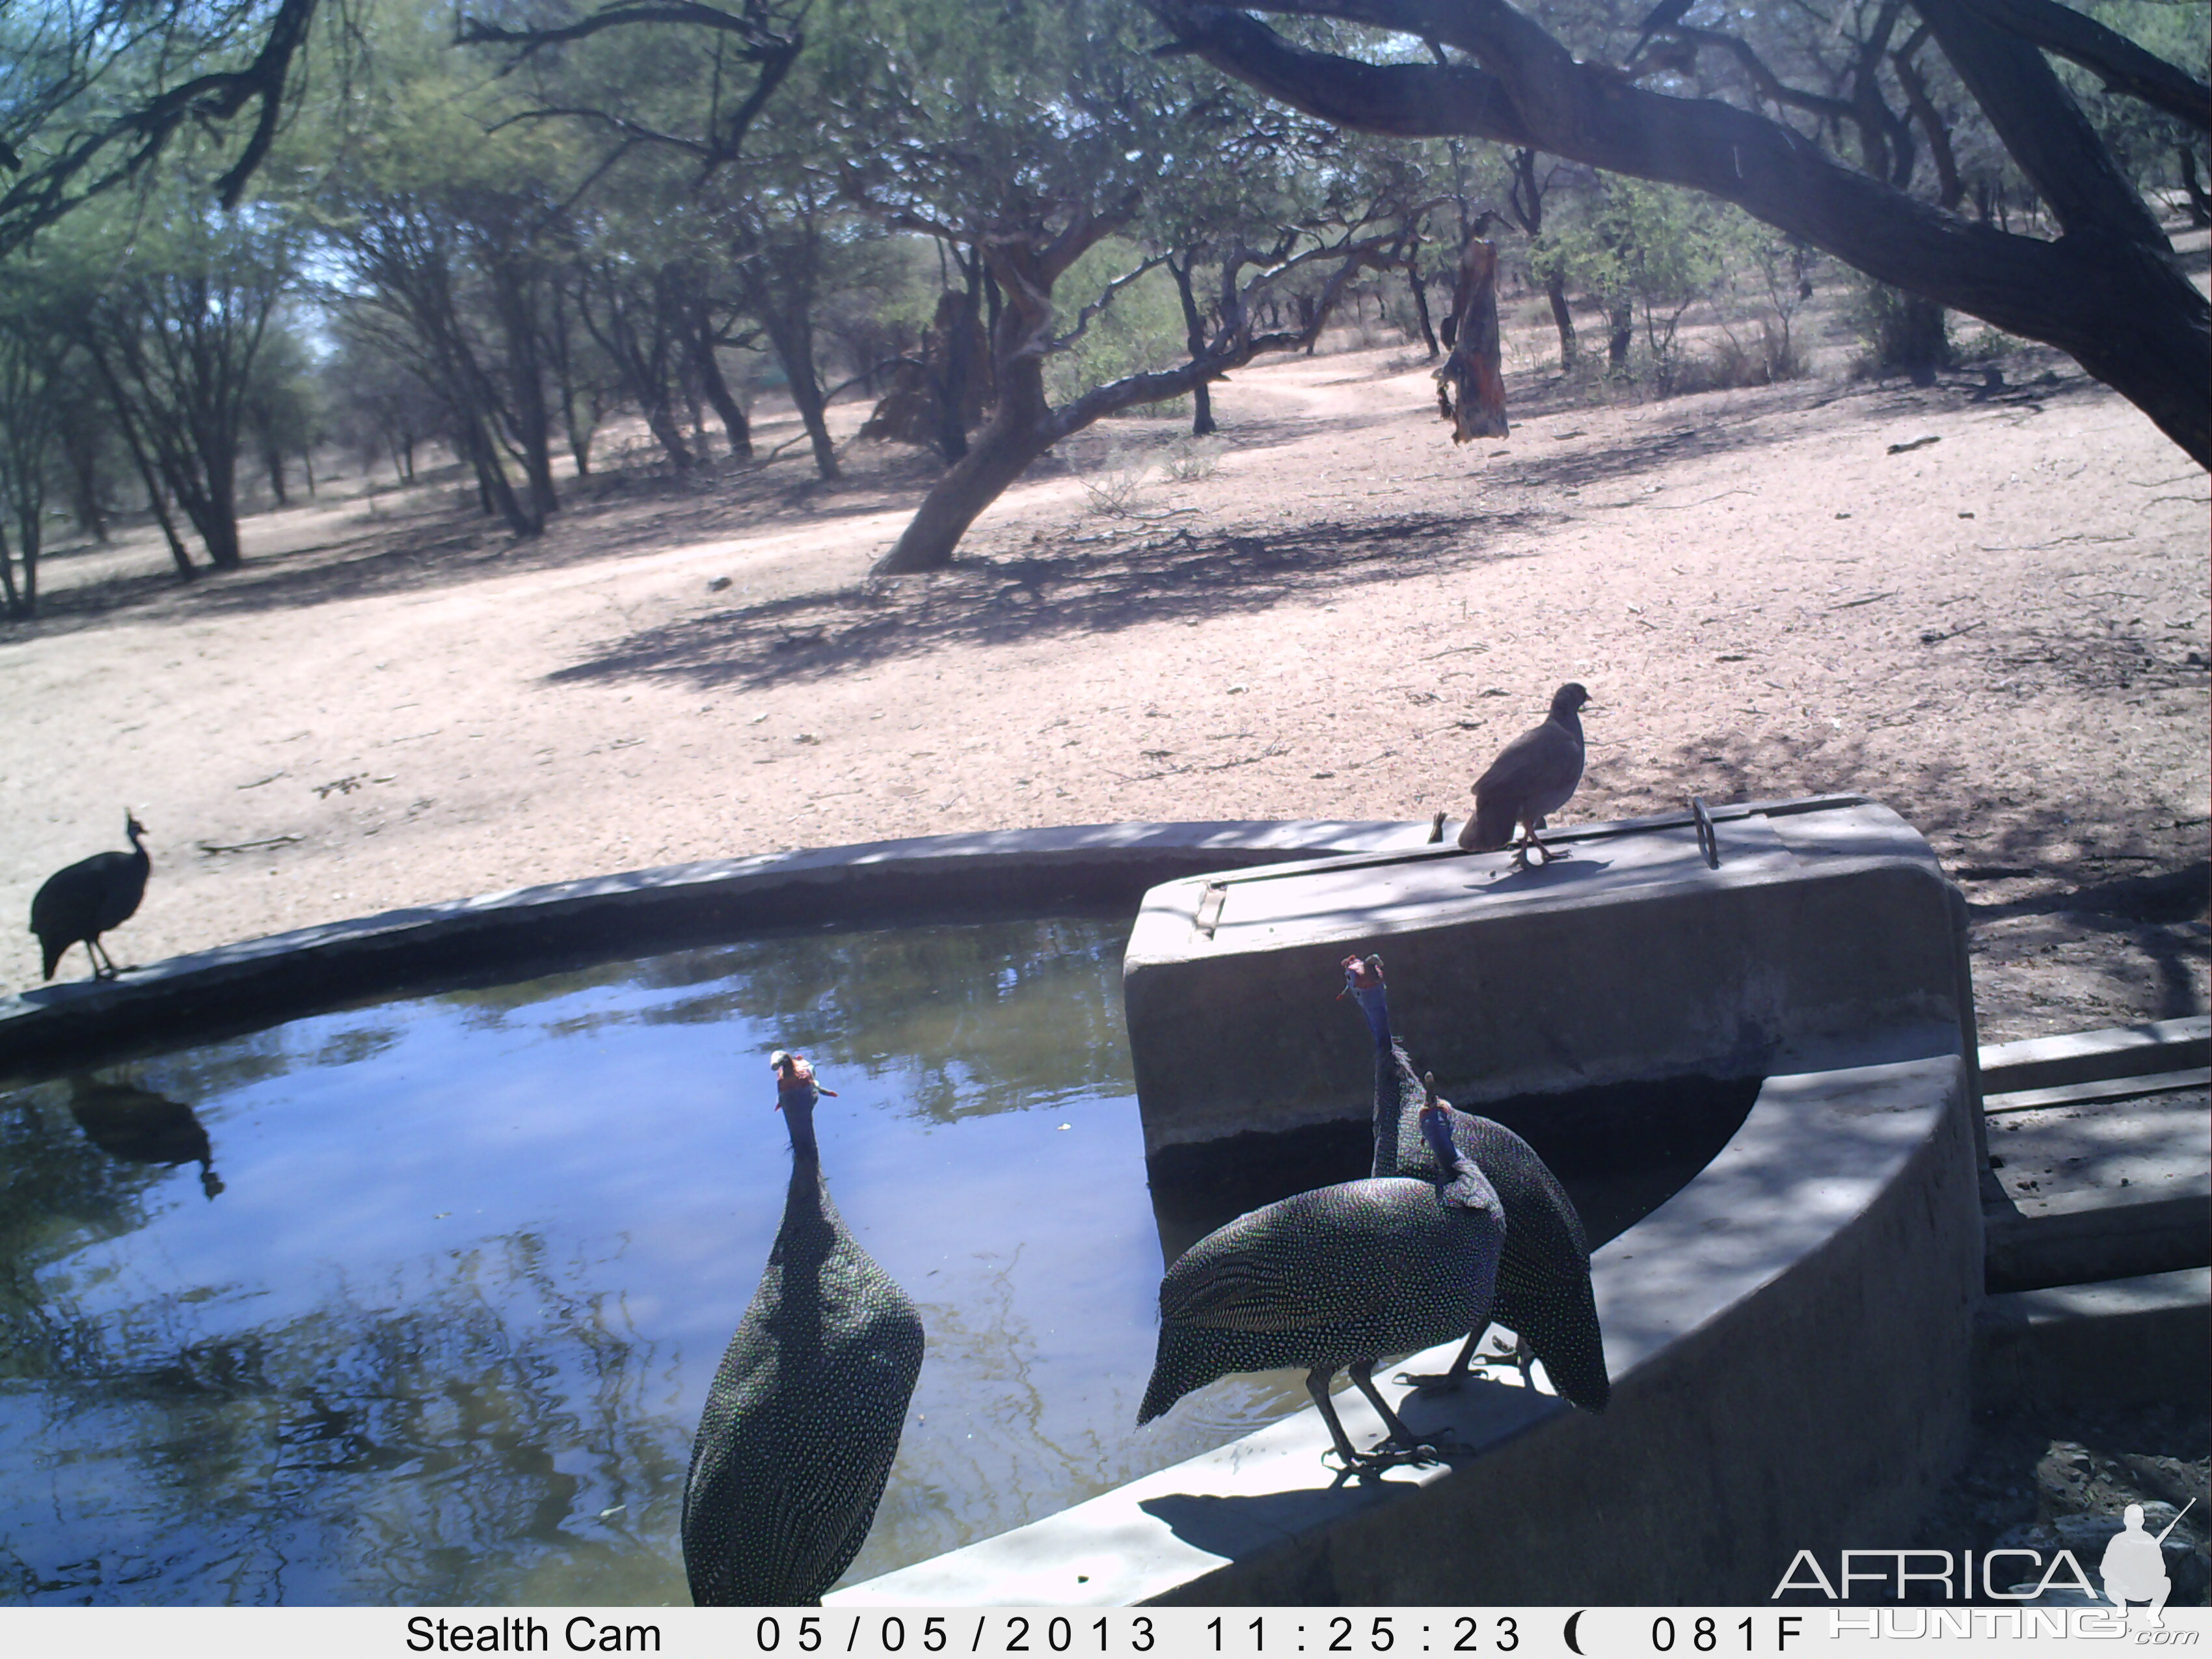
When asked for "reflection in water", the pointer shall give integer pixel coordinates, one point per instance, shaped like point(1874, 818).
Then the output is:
point(140, 1127)
point(448, 1332)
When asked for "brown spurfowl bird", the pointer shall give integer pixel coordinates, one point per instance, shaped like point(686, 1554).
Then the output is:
point(1531, 778)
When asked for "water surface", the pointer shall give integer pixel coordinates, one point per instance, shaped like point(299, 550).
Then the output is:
point(445, 1329)
point(419, 1302)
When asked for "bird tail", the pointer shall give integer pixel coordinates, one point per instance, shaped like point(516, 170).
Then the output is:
point(1574, 1355)
point(1181, 1366)
point(1488, 830)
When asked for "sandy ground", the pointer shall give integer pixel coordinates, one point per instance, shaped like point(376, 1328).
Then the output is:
point(1988, 610)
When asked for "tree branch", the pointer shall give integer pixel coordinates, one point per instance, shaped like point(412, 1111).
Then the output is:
point(44, 196)
point(2117, 304)
point(2125, 66)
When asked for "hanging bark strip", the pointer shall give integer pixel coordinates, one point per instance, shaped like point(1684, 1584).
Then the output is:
point(1471, 386)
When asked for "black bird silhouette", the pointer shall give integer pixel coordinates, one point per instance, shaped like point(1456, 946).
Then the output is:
point(1530, 780)
point(140, 1127)
point(1333, 1279)
point(803, 1415)
point(1544, 1295)
point(78, 904)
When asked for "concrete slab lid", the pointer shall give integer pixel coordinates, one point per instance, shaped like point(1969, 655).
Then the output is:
point(1815, 1152)
point(2082, 1056)
point(1364, 897)
point(2064, 1160)
point(2190, 1287)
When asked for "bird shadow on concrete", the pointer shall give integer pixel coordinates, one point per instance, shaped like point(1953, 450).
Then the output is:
point(1562, 871)
point(1153, 576)
point(1479, 1415)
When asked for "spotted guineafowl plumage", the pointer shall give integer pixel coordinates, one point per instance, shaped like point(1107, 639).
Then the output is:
point(803, 1418)
point(1544, 1293)
point(1332, 1280)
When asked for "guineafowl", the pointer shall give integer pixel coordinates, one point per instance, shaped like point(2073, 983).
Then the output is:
point(1544, 1294)
point(78, 904)
point(140, 1127)
point(1530, 780)
point(803, 1418)
point(1333, 1279)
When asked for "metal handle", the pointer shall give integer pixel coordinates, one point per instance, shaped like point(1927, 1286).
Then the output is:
point(1709, 841)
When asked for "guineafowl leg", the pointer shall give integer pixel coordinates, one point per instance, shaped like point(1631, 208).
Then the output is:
point(1402, 1443)
point(103, 965)
point(1432, 1383)
point(1317, 1386)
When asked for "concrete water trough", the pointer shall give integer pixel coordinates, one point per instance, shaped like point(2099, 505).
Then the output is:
point(1788, 1334)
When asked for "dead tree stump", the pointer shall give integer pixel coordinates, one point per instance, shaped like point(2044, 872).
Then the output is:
point(1471, 386)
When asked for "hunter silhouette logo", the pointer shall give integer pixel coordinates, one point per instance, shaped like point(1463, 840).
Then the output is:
point(2134, 1567)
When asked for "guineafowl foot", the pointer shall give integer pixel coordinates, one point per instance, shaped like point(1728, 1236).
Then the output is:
point(1382, 1456)
point(1515, 1353)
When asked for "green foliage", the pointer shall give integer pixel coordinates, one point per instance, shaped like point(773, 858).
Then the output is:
point(1902, 333)
point(1653, 250)
point(2145, 143)
point(1142, 329)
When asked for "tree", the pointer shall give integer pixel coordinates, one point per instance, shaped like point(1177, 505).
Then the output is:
point(91, 95)
point(174, 337)
point(34, 341)
point(1027, 145)
point(2107, 290)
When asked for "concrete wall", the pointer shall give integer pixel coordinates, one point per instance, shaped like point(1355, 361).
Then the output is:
point(499, 937)
point(1822, 931)
point(1790, 1343)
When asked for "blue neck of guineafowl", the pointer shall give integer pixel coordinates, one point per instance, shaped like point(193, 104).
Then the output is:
point(799, 1116)
point(1375, 1003)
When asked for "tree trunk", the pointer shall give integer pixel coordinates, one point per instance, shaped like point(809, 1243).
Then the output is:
point(148, 475)
point(717, 390)
point(792, 338)
point(2200, 201)
point(955, 392)
point(1562, 319)
point(17, 607)
point(23, 600)
point(1018, 431)
point(79, 442)
point(1470, 386)
point(1925, 344)
point(272, 457)
point(1421, 308)
point(1023, 424)
point(1194, 328)
point(1620, 320)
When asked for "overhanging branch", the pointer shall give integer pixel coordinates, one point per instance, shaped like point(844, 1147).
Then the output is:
point(2117, 304)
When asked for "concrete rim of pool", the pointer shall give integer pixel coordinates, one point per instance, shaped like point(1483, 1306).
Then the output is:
point(1789, 1336)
